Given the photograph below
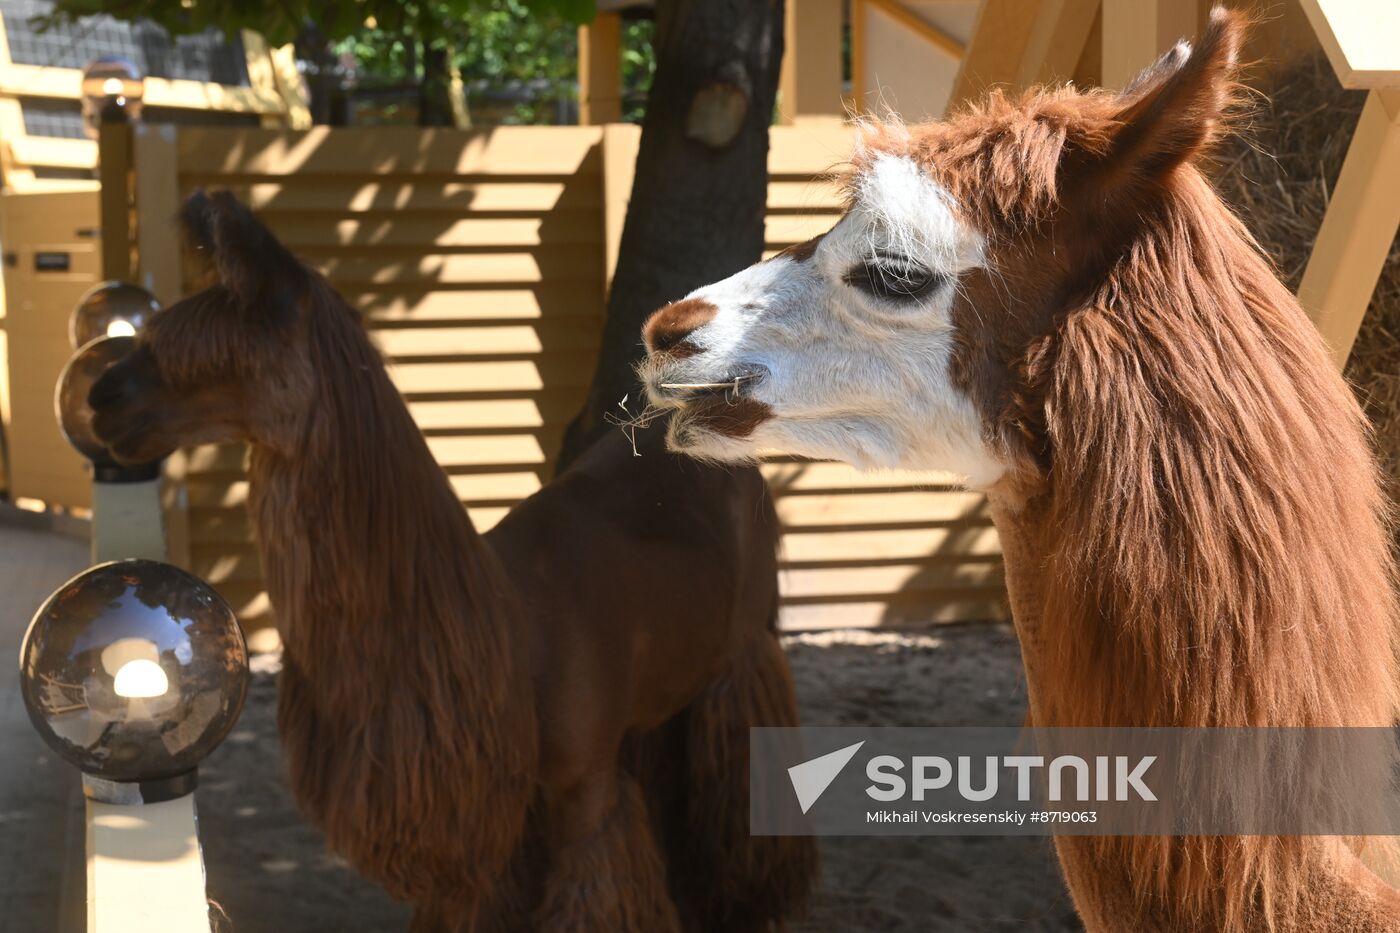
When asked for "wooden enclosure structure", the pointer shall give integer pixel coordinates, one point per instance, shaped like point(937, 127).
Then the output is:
point(480, 260)
point(49, 209)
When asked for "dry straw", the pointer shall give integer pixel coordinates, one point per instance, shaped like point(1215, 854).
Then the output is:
point(1279, 175)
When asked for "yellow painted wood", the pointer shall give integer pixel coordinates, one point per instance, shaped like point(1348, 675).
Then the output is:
point(931, 34)
point(407, 266)
point(42, 464)
point(523, 151)
point(620, 144)
point(994, 54)
point(1137, 32)
point(157, 203)
point(427, 233)
point(809, 82)
point(1361, 39)
point(600, 70)
point(52, 152)
point(418, 195)
point(528, 375)
point(145, 873)
point(885, 611)
point(44, 81)
point(1358, 228)
point(795, 228)
point(910, 578)
point(566, 334)
point(1057, 41)
point(419, 302)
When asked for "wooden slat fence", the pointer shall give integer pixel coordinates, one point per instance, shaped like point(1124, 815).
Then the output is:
point(480, 260)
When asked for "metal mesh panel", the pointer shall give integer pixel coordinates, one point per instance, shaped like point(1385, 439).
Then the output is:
point(204, 57)
point(45, 116)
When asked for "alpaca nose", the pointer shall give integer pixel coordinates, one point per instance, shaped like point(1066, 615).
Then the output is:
point(667, 330)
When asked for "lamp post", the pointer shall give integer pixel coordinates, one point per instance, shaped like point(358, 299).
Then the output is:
point(134, 671)
point(126, 509)
point(113, 89)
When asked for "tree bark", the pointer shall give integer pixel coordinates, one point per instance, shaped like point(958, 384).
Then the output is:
point(701, 186)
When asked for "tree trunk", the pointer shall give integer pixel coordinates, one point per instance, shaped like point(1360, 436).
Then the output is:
point(701, 186)
point(435, 106)
point(313, 48)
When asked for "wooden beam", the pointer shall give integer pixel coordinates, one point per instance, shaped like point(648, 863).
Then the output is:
point(809, 84)
point(1358, 228)
point(600, 70)
point(1056, 42)
point(1137, 32)
point(620, 144)
point(1361, 38)
point(997, 49)
point(858, 54)
point(919, 27)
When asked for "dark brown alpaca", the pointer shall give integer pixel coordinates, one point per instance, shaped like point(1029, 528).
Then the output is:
point(1046, 295)
point(544, 728)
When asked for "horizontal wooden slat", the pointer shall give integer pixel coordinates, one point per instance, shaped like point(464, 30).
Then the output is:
point(915, 544)
point(528, 375)
point(809, 149)
point(419, 195)
point(543, 264)
point(476, 451)
point(390, 150)
point(894, 578)
point(927, 609)
point(525, 301)
point(506, 485)
point(566, 334)
point(796, 228)
point(542, 409)
point(814, 195)
point(896, 508)
point(429, 233)
point(790, 478)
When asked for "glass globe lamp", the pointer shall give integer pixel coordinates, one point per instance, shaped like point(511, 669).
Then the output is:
point(110, 309)
point(112, 89)
point(75, 415)
point(134, 671)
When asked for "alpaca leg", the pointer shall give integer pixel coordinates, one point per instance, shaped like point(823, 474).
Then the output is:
point(725, 877)
point(605, 872)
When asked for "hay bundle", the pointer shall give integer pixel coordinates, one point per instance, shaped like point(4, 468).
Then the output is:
point(1279, 175)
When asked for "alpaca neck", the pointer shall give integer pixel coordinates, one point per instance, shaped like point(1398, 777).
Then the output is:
point(372, 563)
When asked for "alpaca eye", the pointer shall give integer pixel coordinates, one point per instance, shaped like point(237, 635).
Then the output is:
point(894, 279)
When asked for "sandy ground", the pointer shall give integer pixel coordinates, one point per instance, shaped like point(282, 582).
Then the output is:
point(271, 872)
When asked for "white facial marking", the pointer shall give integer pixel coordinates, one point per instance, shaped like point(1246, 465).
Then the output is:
point(850, 349)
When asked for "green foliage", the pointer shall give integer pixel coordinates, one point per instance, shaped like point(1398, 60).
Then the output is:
point(283, 21)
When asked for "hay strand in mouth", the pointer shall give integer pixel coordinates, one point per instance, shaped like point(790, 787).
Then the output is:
point(731, 384)
point(630, 424)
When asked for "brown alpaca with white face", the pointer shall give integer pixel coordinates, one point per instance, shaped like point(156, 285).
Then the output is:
point(1046, 296)
point(542, 728)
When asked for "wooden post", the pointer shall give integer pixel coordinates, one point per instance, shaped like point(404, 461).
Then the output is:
point(145, 873)
point(1137, 32)
point(809, 85)
point(114, 170)
point(1056, 43)
point(1358, 228)
point(600, 70)
point(620, 144)
point(997, 48)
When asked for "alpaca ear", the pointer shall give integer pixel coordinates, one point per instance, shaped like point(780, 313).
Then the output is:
point(243, 254)
point(1174, 109)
